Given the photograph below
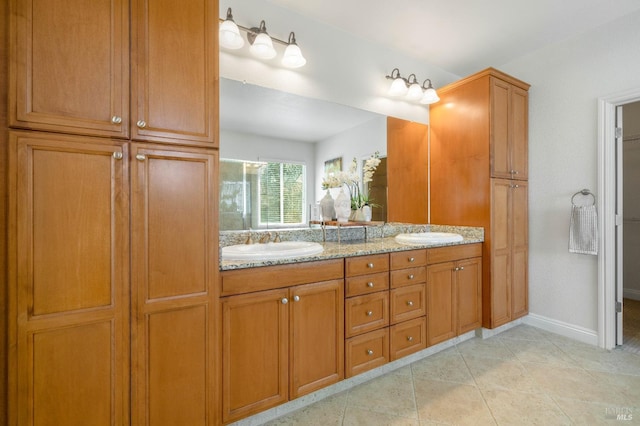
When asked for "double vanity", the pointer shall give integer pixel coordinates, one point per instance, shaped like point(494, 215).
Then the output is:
point(307, 311)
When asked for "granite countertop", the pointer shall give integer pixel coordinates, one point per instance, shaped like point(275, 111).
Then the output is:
point(348, 246)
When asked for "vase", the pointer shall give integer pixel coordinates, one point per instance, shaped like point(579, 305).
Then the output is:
point(327, 207)
point(357, 215)
point(342, 205)
point(366, 213)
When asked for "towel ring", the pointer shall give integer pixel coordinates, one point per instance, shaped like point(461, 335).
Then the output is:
point(583, 192)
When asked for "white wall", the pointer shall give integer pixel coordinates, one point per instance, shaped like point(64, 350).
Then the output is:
point(359, 142)
point(340, 67)
point(566, 81)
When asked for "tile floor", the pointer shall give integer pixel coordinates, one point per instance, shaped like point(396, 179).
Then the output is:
point(523, 376)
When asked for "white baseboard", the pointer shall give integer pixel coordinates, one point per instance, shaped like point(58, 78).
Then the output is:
point(630, 293)
point(571, 331)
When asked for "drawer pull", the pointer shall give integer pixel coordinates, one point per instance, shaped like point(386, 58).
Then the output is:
point(369, 313)
point(409, 303)
point(410, 339)
point(369, 265)
point(369, 352)
point(117, 155)
point(296, 298)
point(410, 276)
point(284, 301)
point(412, 259)
point(370, 284)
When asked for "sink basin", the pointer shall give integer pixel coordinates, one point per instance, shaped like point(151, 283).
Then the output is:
point(420, 238)
point(271, 251)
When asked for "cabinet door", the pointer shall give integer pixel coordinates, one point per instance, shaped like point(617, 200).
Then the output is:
point(174, 285)
point(469, 294)
point(519, 133)
point(441, 307)
point(255, 352)
point(498, 303)
point(173, 71)
point(69, 310)
point(70, 66)
point(520, 249)
point(316, 336)
point(500, 124)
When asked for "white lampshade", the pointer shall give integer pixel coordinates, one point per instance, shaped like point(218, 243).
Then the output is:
point(414, 92)
point(430, 96)
point(398, 87)
point(292, 57)
point(262, 47)
point(229, 34)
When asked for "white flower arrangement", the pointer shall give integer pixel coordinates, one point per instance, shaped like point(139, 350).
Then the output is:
point(351, 179)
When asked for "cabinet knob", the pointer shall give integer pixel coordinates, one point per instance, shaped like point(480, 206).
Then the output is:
point(411, 259)
point(369, 352)
point(410, 339)
point(141, 157)
point(370, 284)
point(409, 303)
point(141, 124)
point(462, 268)
point(116, 119)
point(369, 313)
point(117, 155)
point(369, 265)
point(514, 172)
point(296, 298)
point(410, 276)
point(284, 301)
point(456, 269)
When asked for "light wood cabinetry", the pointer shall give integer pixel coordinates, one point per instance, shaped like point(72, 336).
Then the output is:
point(68, 280)
point(454, 283)
point(283, 343)
point(70, 69)
point(476, 159)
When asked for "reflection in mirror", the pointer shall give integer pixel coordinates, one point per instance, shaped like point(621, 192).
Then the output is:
point(260, 127)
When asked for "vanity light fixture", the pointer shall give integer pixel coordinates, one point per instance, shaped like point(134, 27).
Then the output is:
point(410, 89)
point(261, 42)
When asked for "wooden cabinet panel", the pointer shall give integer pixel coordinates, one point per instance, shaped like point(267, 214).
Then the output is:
point(174, 283)
point(408, 259)
point(255, 353)
point(407, 303)
point(441, 303)
point(173, 71)
point(69, 295)
point(317, 336)
point(520, 264)
point(407, 337)
point(469, 295)
point(519, 127)
point(365, 284)
point(453, 253)
point(366, 352)
point(500, 123)
point(409, 276)
point(366, 313)
point(364, 265)
point(70, 66)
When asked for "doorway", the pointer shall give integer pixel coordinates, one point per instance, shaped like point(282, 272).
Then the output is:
point(610, 223)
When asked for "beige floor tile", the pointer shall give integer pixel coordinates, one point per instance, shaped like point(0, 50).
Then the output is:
point(447, 365)
point(390, 394)
point(511, 408)
point(541, 351)
point(489, 348)
point(355, 416)
point(451, 403)
point(593, 413)
point(327, 412)
point(614, 361)
point(493, 373)
point(626, 389)
point(522, 332)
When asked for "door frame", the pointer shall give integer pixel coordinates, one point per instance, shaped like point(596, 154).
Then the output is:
point(607, 190)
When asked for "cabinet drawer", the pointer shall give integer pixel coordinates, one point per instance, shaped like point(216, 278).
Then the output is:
point(407, 302)
point(364, 284)
point(364, 265)
point(452, 253)
point(408, 259)
point(407, 337)
point(366, 313)
point(366, 352)
point(409, 276)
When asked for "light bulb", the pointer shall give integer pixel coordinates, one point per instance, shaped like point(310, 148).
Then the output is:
point(292, 57)
point(430, 96)
point(262, 47)
point(230, 35)
point(414, 92)
point(398, 87)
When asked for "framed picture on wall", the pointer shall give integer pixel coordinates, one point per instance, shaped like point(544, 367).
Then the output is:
point(333, 166)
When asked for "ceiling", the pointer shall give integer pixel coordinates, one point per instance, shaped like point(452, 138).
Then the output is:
point(463, 36)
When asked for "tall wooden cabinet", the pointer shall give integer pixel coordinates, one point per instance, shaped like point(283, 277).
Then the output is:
point(113, 252)
point(479, 133)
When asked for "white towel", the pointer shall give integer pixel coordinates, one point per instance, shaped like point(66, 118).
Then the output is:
point(583, 230)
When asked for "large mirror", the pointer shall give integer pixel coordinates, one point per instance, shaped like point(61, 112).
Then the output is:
point(274, 148)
